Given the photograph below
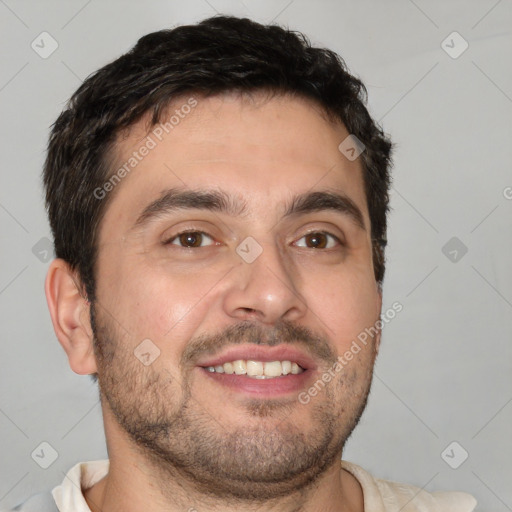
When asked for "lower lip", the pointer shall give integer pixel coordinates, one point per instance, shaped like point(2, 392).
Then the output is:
point(263, 388)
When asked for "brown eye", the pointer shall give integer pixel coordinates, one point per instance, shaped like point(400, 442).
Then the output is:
point(319, 240)
point(190, 239)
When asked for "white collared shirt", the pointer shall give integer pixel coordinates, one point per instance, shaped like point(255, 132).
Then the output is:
point(379, 495)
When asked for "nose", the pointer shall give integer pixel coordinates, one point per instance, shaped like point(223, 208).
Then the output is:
point(265, 289)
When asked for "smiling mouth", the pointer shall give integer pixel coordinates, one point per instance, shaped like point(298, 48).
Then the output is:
point(260, 371)
point(257, 369)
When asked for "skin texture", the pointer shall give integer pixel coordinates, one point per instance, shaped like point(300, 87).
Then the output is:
point(177, 439)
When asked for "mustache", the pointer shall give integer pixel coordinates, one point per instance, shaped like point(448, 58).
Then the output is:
point(250, 332)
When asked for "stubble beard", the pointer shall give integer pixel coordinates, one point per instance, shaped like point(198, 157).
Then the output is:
point(171, 429)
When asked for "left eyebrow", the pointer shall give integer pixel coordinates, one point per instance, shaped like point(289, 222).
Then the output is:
point(322, 200)
point(173, 200)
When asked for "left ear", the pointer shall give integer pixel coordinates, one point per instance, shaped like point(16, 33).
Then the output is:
point(378, 305)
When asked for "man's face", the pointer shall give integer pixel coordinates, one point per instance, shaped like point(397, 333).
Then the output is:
point(261, 284)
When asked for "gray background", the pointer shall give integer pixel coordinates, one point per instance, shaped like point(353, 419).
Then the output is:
point(444, 372)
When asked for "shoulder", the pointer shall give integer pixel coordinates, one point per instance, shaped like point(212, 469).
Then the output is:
point(388, 496)
point(68, 495)
point(398, 496)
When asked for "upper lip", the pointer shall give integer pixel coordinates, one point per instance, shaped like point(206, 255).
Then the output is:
point(261, 353)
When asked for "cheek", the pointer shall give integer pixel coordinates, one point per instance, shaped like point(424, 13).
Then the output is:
point(165, 307)
point(346, 302)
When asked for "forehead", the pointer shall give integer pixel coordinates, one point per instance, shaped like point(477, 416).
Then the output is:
point(259, 150)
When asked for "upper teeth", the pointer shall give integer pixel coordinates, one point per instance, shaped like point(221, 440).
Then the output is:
point(257, 369)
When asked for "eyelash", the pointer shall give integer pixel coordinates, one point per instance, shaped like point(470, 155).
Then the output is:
point(170, 240)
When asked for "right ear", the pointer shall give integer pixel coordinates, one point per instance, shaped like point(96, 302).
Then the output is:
point(70, 313)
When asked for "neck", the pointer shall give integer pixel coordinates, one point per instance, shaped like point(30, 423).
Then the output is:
point(139, 481)
point(133, 485)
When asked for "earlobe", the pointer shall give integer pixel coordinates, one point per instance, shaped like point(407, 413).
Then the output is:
point(69, 312)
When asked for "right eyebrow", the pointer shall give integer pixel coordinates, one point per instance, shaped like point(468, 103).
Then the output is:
point(174, 199)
